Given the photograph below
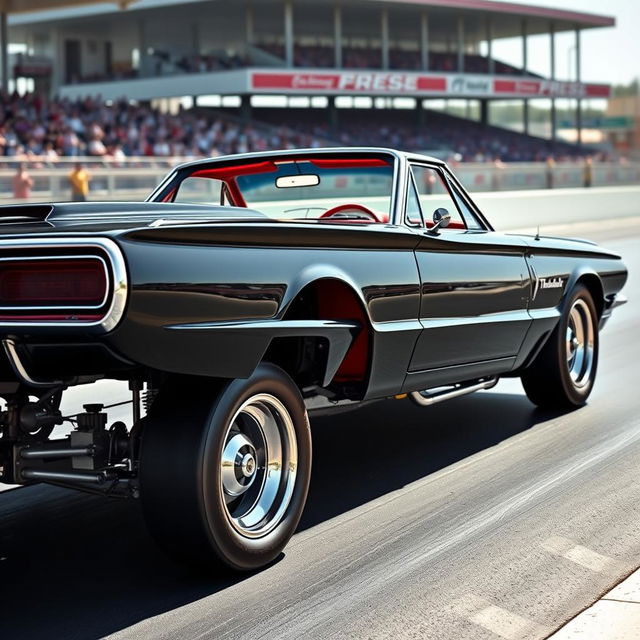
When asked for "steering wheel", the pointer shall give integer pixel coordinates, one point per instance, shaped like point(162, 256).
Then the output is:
point(350, 208)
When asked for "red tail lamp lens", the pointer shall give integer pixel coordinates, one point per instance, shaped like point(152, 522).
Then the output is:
point(72, 283)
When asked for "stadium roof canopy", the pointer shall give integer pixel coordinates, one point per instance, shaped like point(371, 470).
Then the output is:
point(513, 8)
point(25, 6)
point(505, 16)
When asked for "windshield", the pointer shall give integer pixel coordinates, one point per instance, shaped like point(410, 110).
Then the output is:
point(346, 188)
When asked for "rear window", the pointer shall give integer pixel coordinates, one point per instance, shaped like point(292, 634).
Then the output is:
point(324, 184)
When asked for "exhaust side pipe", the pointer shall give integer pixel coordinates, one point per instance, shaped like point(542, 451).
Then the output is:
point(426, 398)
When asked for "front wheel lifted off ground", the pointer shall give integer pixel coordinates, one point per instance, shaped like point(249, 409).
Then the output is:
point(225, 467)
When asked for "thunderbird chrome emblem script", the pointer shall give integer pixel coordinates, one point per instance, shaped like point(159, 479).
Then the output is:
point(551, 283)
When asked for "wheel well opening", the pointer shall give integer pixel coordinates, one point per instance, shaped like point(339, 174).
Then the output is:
point(593, 284)
point(305, 359)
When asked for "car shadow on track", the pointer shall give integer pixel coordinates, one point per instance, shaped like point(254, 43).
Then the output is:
point(79, 566)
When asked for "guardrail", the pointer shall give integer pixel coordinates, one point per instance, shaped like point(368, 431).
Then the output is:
point(134, 178)
point(53, 184)
point(517, 176)
point(130, 178)
point(96, 162)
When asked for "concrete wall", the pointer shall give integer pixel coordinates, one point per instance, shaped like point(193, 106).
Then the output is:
point(518, 209)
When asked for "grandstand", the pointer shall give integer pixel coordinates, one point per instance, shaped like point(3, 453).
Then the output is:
point(313, 58)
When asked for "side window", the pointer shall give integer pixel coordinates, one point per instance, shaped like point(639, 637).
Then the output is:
point(433, 194)
point(414, 216)
point(469, 216)
point(199, 190)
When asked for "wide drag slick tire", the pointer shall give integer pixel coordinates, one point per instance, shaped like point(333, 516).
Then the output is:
point(563, 373)
point(225, 467)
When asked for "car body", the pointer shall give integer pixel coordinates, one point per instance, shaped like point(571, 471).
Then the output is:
point(361, 274)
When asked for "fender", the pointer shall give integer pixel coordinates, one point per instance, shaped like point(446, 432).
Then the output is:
point(261, 332)
point(586, 274)
point(315, 273)
point(546, 319)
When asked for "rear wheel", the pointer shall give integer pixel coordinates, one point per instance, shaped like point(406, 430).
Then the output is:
point(563, 373)
point(224, 480)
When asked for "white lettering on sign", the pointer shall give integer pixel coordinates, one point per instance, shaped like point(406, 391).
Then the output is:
point(470, 84)
point(378, 82)
point(312, 82)
point(363, 82)
point(399, 83)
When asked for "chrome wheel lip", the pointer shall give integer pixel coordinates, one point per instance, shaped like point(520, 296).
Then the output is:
point(264, 421)
point(580, 344)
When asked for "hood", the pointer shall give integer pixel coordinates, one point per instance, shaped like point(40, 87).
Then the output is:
point(83, 217)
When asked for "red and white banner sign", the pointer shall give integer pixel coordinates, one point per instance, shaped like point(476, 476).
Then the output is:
point(417, 84)
point(345, 82)
point(550, 88)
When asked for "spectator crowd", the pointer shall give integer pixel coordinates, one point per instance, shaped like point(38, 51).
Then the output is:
point(33, 129)
point(449, 137)
point(39, 132)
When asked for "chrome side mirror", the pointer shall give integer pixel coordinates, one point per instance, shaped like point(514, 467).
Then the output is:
point(441, 220)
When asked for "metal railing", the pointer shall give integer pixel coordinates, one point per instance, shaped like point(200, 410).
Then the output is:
point(135, 178)
point(96, 162)
point(520, 176)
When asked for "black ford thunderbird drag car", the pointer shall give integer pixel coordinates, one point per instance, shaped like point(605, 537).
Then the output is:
point(250, 289)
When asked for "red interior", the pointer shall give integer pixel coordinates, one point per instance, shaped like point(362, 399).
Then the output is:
point(229, 174)
point(376, 216)
point(170, 195)
point(348, 163)
point(337, 302)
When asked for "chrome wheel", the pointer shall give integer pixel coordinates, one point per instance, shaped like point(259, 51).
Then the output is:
point(563, 373)
point(258, 465)
point(229, 486)
point(580, 344)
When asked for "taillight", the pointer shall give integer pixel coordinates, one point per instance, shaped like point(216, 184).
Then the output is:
point(60, 282)
point(65, 283)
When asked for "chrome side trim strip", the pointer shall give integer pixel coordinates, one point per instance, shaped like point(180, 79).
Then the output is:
point(118, 271)
point(545, 313)
point(290, 327)
point(517, 315)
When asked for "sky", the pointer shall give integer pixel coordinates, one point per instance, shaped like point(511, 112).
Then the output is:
point(610, 55)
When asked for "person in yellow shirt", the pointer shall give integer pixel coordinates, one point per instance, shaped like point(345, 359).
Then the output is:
point(79, 179)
